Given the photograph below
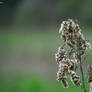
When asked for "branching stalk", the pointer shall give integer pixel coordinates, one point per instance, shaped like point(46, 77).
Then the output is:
point(81, 69)
point(67, 60)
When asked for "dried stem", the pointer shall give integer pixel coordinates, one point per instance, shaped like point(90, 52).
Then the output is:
point(81, 69)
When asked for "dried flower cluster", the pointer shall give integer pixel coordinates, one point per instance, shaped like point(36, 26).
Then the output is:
point(66, 67)
point(70, 33)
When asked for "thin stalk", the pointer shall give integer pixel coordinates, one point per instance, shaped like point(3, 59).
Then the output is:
point(81, 69)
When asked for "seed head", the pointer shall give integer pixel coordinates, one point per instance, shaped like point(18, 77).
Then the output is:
point(72, 36)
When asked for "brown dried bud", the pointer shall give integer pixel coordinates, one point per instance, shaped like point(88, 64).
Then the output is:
point(65, 83)
point(89, 69)
point(75, 56)
point(75, 78)
point(60, 55)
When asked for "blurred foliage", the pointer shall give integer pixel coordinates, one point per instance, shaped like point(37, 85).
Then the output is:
point(45, 12)
point(34, 84)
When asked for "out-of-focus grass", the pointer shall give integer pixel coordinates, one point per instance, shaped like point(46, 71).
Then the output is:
point(34, 84)
point(34, 39)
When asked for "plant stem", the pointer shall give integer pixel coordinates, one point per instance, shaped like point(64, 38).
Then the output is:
point(81, 69)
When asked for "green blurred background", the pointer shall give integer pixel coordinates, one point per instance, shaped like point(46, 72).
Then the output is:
point(29, 39)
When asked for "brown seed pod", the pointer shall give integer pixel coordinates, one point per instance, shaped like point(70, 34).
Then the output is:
point(75, 78)
point(89, 69)
point(75, 56)
point(65, 83)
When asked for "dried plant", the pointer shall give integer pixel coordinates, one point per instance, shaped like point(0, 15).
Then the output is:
point(67, 60)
